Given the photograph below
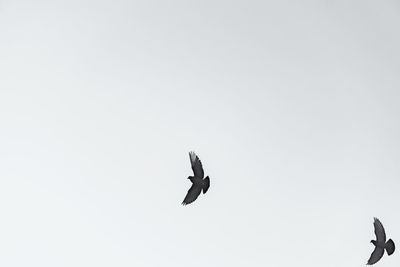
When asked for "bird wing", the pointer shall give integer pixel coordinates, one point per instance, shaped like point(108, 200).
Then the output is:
point(376, 255)
point(192, 194)
point(379, 231)
point(197, 167)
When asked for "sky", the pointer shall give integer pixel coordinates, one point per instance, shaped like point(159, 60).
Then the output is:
point(292, 107)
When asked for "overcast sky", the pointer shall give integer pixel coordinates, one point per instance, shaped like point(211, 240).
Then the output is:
point(292, 106)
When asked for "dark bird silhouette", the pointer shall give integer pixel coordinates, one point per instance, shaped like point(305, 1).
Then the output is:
point(198, 183)
point(380, 243)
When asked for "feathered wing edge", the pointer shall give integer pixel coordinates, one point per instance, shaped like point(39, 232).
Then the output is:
point(192, 194)
point(379, 230)
point(376, 255)
point(197, 166)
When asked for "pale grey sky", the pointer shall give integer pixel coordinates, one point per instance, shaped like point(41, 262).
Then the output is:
point(292, 106)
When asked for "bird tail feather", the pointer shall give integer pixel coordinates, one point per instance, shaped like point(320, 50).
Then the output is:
point(390, 247)
point(206, 184)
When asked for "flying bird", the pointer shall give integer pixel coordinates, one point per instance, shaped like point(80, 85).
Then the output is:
point(198, 183)
point(380, 243)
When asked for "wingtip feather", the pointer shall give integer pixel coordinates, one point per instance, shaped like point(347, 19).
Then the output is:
point(192, 156)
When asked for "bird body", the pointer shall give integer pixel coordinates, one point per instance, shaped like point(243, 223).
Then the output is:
point(380, 243)
point(196, 180)
point(199, 183)
point(204, 183)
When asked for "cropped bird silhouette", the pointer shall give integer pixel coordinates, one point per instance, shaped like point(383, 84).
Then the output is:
point(380, 243)
point(198, 183)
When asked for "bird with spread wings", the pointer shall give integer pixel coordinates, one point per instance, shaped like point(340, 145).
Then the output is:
point(380, 243)
point(199, 183)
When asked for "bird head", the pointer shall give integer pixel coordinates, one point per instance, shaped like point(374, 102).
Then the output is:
point(373, 242)
point(190, 178)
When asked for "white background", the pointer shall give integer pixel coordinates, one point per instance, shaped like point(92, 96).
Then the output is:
point(292, 106)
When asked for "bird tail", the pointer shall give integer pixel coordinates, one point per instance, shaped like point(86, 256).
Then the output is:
point(206, 184)
point(390, 247)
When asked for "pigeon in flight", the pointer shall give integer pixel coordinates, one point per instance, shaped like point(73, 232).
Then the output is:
point(380, 243)
point(198, 183)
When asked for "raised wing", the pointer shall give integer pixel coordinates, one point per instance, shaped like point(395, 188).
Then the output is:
point(375, 256)
point(197, 167)
point(192, 194)
point(379, 231)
